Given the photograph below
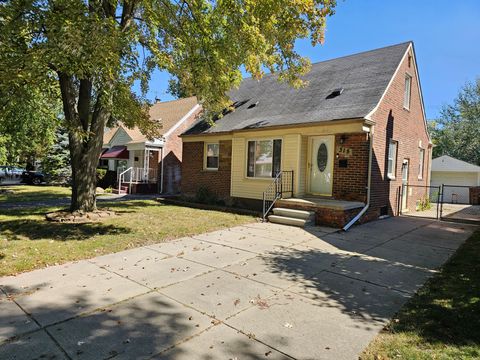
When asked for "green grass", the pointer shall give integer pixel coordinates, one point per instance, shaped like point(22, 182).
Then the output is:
point(27, 193)
point(443, 320)
point(28, 241)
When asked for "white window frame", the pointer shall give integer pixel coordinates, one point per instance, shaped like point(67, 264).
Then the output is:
point(391, 173)
point(421, 162)
point(205, 152)
point(246, 157)
point(407, 95)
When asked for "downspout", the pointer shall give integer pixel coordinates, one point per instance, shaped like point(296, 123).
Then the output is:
point(161, 172)
point(369, 183)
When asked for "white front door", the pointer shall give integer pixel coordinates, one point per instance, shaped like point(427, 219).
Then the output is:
point(321, 165)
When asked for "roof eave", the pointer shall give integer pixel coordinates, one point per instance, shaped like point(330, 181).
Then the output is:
point(274, 127)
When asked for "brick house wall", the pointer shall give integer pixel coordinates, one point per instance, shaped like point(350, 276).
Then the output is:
point(195, 177)
point(172, 157)
point(407, 127)
point(350, 170)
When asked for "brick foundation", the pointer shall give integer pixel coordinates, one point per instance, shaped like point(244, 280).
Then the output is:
point(333, 217)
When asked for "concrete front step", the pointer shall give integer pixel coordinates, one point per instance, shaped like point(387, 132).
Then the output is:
point(284, 220)
point(292, 213)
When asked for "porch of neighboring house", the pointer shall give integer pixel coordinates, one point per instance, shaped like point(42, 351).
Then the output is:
point(133, 169)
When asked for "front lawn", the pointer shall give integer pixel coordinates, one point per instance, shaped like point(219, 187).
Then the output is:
point(443, 320)
point(28, 193)
point(28, 241)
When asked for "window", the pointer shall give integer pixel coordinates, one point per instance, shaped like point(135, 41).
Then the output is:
point(211, 156)
point(264, 158)
point(392, 159)
point(406, 96)
point(420, 163)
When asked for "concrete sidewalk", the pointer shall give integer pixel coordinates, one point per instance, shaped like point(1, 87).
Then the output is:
point(258, 291)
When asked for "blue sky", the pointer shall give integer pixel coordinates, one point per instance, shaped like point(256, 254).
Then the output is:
point(446, 36)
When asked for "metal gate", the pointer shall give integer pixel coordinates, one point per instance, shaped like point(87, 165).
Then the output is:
point(419, 201)
point(458, 203)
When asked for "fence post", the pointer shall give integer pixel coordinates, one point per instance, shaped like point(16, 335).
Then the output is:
point(438, 203)
point(441, 202)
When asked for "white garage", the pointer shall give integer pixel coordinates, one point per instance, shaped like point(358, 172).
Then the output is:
point(457, 176)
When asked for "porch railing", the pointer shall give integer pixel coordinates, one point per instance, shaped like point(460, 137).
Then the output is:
point(136, 175)
point(281, 185)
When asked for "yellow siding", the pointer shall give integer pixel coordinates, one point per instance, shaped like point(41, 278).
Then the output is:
point(302, 174)
point(294, 155)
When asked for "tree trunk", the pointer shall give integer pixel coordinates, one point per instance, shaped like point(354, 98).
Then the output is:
point(84, 178)
point(85, 133)
point(85, 153)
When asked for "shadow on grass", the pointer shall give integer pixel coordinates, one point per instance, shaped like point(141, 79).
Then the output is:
point(30, 229)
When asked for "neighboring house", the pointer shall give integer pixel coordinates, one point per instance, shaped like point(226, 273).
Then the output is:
point(344, 144)
point(150, 165)
point(460, 178)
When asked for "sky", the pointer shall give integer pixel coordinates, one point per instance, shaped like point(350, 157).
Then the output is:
point(446, 35)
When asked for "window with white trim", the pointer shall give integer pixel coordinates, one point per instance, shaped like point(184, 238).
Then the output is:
point(392, 159)
point(421, 161)
point(211, 156)
point(408, 90)
point(264, 158)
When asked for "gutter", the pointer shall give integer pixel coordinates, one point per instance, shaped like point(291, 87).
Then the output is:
point(369, 185)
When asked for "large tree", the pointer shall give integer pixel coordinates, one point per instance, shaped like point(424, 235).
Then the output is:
point(457, 131)
point(95, 50)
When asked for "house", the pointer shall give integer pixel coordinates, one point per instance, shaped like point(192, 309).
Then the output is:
point(340, 147)
point(142, 165)
point(461, 180)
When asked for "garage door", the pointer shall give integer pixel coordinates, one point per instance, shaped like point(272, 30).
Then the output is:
point(452, 193)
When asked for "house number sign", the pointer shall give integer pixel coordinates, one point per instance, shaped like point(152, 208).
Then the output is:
point(344, 151)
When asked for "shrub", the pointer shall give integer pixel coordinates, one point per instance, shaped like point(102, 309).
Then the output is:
point(205, 196)
point(101, 174)
point(424, 204)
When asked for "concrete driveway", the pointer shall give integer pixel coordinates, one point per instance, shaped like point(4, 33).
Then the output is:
point(259, 291)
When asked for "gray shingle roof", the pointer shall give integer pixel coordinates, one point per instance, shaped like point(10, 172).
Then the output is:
point(364, 78)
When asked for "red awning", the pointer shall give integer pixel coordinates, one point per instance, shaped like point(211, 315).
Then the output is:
point(116, 152)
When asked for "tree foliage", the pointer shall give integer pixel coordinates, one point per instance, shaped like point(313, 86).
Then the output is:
point(27, 123)
point(95, 50)
point(457, 132)
point(56, 162)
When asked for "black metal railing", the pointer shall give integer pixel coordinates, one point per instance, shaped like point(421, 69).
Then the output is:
point(281, 185)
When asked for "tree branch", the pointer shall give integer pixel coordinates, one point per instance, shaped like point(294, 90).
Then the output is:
point(67, 89)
